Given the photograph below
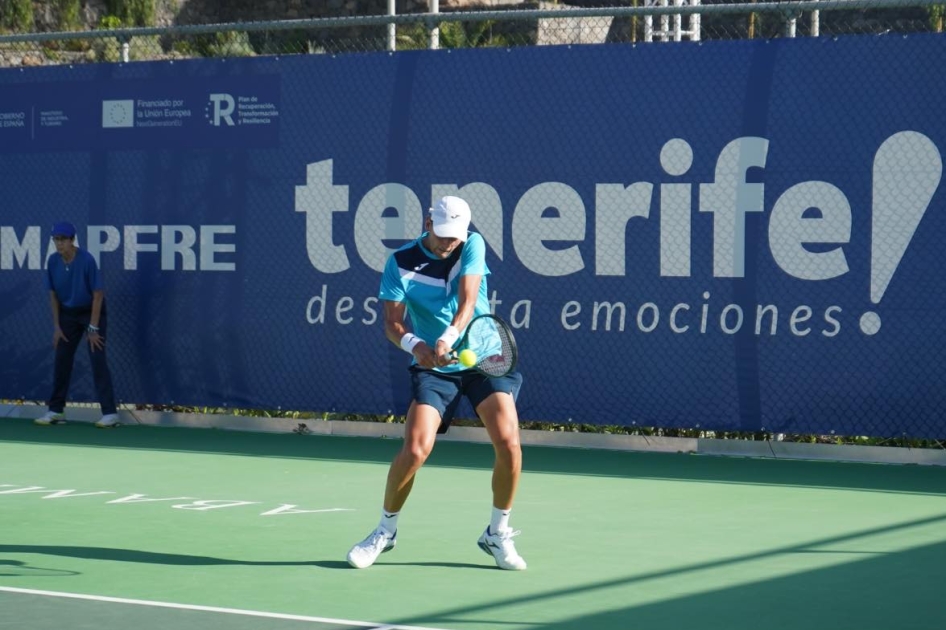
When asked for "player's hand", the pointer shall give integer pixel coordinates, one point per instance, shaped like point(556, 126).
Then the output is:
point(57, 335)
point(425, 356)
point(96, 341)
point(444, 354)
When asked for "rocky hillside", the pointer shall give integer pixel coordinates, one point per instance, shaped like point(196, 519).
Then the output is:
point(48, 15)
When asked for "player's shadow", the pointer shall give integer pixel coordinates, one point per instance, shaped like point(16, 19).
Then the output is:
point(144, 557)
point(341, 564)
point(17, 568)
point(152, 557)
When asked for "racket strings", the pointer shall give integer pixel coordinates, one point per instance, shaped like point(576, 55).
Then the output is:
point(494, 347)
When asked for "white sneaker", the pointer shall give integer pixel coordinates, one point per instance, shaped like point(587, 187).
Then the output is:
point(108, 421)
point(503, 550)
point(50, 417)
point(367, 551)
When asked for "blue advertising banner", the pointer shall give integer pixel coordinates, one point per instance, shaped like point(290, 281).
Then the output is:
point(736, 235)
point(159, 113)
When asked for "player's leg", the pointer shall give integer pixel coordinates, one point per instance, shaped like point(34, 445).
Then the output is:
point(102, 377)
point(420, 432)
point(434, 399)
point(499, 416)
point(495, 404)
point(73, 329)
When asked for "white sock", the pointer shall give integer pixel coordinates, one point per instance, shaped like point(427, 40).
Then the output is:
point(499, 521)
point(389, 521)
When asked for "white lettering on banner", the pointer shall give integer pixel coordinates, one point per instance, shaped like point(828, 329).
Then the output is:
point(676, 158)
point(319, 199)
point(315, 309)
point(223, 106)
point(171, 247)
point(133, 246)
point(907, 170)
point(209, 247)
point(729, 198)
point(199, 505)
point(177, 247)
point(731, 318)
point(22, 253)
point(530, 224)
point(368, 242)
point(616, 205)
point(790, 231)
point(96, 245)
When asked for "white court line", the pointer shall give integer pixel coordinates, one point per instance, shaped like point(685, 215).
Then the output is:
point(214, 609)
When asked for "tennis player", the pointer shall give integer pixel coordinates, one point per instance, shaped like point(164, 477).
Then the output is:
point(439, 280)
point(77, 302)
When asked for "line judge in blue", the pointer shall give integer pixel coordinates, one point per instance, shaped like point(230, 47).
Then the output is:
point(439, 281)
point(77, 302)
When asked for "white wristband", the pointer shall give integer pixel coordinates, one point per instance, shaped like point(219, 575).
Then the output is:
point(408, 341)
point(450, 336)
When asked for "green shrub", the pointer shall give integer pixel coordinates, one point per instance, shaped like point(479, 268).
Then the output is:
point(225, 44)
point(936, 16)
point(17, 15)
point(132, 12)
point(110, 23)
point(69, 11)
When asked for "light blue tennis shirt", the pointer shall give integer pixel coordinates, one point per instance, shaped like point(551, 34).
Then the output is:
point(75, 282)
point(429, 285)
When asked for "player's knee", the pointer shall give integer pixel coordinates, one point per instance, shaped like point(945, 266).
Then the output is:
point(508, 447)
point(416, 453)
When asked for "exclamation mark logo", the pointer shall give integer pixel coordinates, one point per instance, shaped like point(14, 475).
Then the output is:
point(907, 171)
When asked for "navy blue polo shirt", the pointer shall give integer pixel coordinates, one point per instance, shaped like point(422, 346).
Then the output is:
point(73, 283)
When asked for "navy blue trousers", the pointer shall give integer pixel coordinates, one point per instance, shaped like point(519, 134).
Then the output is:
point(74, 323)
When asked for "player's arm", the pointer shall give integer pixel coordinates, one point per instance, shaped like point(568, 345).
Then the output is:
point(397, 333)
point(467, 294)
point(54, 309)
point(473, 268)
point(96, 341)
point(98, 297)
point(394, 327)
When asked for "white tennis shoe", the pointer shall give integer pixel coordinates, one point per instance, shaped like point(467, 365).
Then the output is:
point(50, 417)
point(108, 421)
point(503, 549)
point(367, 551)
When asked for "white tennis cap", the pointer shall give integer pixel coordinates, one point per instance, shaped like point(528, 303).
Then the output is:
point(451, 217)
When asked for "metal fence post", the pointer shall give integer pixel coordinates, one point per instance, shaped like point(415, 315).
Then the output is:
point(392, 27)
point(434, 27)
point(124, 42)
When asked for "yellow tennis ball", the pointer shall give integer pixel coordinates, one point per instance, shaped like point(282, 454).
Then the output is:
point(467, 357)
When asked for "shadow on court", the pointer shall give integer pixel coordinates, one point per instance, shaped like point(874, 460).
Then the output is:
point(867, 590)
point(901, 591)
point(16, 568)
point(571, 461)
point(135, 555)
point(175, 559)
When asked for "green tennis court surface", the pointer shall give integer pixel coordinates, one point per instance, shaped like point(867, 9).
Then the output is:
point(146, 527)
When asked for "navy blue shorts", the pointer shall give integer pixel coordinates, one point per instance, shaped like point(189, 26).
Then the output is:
point(443, 391)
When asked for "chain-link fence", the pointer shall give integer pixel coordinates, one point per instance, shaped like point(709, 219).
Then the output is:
point(520, 24)
point(138, 188)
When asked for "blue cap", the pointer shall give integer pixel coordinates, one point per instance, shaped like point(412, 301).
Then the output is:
point(64, 228)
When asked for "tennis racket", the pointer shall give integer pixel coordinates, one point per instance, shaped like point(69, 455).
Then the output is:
point(493, 342)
